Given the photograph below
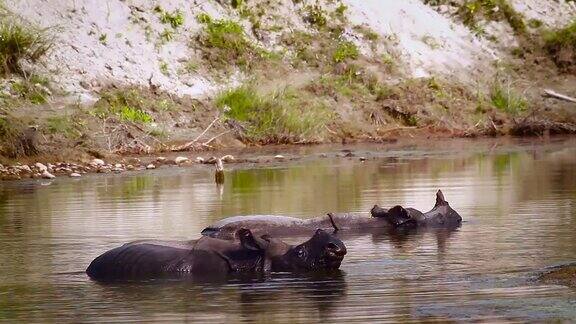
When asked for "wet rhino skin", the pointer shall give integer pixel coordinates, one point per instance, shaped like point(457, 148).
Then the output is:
point(215, 258)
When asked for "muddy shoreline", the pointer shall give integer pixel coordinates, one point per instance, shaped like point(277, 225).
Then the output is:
point(269, 156)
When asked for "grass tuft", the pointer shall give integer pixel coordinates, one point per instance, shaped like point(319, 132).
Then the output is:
point(561, 45)
point(282, 117)
point(346, 50)
point(505, 99)
point(20, 42)
point(126, 105)
point(16, 140)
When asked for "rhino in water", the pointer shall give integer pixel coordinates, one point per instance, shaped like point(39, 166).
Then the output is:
point(215, 258)
point(442, 215)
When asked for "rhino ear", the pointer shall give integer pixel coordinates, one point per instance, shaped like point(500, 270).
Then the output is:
point(248, 241)
point(378, 212)
point(440, 199)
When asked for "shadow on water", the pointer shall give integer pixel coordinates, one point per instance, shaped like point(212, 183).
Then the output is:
point(518, 203)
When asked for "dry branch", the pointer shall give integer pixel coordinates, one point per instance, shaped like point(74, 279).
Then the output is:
point(554, 94)
point(190, 144)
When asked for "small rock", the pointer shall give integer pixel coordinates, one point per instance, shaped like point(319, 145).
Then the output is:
point(25, 168)
point(118, 166)
point(227, 158)
point(279, 157)
point(47, 175)
point(323, 155)
point(362, 158)
point(150, 166)
point(181, 159)
point(199, 159)
point(162, 159)
point(349, 154)
point(75, 175)
point(130, 167)
point(97, 162)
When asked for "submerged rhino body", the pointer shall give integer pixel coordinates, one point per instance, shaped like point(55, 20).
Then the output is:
point(214, 258)
point(442, 215)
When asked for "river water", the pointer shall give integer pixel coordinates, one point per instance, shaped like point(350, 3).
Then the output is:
point(518, 201)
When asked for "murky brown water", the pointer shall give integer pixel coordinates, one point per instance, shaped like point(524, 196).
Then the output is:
point(518, 202)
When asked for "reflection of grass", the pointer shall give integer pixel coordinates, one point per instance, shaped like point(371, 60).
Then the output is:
point(135, 186)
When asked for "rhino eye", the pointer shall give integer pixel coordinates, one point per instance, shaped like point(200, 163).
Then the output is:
point(301, 253)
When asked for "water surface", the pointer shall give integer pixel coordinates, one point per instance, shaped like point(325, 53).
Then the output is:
point(518, 201)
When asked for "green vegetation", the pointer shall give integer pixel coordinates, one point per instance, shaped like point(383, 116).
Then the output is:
point(63, 125)
point(134, 115)
point(282, 117)
point(164, 68)
point(224, 43)
point(367, 33)
point(505, 99)
point(315, 16)
point(561, 45)
point(237, 3)
point(203, 18)
point(33, 89)
point(346, 50)
point(167, 35)
point(103, 39)
point(174, 18)
point(21, 42)
point(127, 105)
point(16, 140)
point(471, 11)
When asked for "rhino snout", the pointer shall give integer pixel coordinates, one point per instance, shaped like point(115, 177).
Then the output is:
point(335, 251)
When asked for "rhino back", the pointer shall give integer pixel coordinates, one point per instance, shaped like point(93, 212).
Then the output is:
point(137, 261)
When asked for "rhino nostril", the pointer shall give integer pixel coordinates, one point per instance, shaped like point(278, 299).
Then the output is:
point(335, 248)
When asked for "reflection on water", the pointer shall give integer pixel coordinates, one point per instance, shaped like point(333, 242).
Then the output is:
point(518, 203)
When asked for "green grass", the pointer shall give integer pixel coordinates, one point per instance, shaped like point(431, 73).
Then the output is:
point(282, 117)
point(103, 39)
point(33, 89)
point(505, 99)
point(472, 11)
point(135, 115)
point(224, 43)
point(345, 51)
point(21, 42)
point(315, 16)
point(203, 18)
point(166, 35)
point(164, 69)
point(225, 34)
point(562, 41)
point(64, 125)
point(15, 140)
point(127, 105)
point(174, 18)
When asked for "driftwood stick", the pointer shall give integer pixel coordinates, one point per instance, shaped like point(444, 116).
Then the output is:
point(554, 94)
point(215, 137)
point(194, 141)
